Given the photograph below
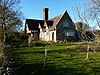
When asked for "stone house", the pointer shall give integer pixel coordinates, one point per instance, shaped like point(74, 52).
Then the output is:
point(60, 27)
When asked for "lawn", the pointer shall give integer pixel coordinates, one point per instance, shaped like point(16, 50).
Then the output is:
point(61, 60)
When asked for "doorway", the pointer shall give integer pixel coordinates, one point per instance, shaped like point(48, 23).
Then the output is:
point(53, 36)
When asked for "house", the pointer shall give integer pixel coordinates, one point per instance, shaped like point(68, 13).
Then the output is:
point(60, 27)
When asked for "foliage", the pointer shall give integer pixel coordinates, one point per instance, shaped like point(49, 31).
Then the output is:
point(90, 35)
point(82, 26)
point(97, 33)
point(85, 32)
point(19, 39)
point(10, 22)
point(10, 17)
point(1, 53)
point(38, 43)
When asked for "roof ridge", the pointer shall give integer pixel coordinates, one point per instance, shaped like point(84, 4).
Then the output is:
point(55, 17)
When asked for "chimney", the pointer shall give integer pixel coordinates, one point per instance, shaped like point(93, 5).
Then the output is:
point(45, 14)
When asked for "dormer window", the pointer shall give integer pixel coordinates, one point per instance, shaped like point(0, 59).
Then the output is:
point(65, 24)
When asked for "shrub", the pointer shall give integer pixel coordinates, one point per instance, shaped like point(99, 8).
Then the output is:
point(38, 43)
point(19, 43)
point(1, 53)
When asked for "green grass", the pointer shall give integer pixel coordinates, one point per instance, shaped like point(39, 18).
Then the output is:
point(60, 61)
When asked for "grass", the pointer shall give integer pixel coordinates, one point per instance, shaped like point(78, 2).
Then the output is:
point(61, 60)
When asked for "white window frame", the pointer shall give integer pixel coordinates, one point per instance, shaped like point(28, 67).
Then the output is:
point(69, 33)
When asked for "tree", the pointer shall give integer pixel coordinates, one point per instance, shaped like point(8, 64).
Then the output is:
point(10, 16)
point(93, 7)
point(88, 13)
point(84, 31)
point(10, 21)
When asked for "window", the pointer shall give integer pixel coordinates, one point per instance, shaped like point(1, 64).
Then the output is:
point(70, 33)
point(65, 24)
point(40, 34)
point(47, 33)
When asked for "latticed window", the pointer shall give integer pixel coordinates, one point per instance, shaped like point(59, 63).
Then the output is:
point(69, 33)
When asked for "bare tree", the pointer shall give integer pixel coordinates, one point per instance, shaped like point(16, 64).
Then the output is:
point(10, 20)
point(87, 13)
point(93, 7)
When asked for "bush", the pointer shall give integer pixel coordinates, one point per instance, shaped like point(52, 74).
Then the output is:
point(20, 43)
point(38, 43)
point(19, 40)
point(1, 53)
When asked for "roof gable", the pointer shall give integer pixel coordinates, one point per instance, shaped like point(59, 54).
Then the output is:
point(55, 20)
point(58, 18)
point(51, 23)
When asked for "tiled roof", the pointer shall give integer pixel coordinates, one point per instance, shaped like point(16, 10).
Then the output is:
point(55, 21)
point(34, 24)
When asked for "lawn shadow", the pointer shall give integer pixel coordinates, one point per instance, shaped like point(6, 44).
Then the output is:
point(29, 69)
point(38, 69)
point(62, 69)
point(29, 51)
point(67, 44)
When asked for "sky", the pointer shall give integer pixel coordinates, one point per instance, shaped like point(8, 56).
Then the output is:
point(33, 9)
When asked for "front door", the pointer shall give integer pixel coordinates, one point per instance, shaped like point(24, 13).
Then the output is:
point(36, 36)
point(53, 36)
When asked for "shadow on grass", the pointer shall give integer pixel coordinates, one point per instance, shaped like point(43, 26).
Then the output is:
point(67, 44)
point(71, 66)
point(29, 50)
point(59, 63)
point(49, 52)
point(38, 69)
point(29, 69)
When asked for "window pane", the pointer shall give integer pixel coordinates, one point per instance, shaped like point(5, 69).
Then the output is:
point(69, 33)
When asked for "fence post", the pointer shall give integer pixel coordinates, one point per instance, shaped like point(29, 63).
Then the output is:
point(87, 56)
point(45, 59)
